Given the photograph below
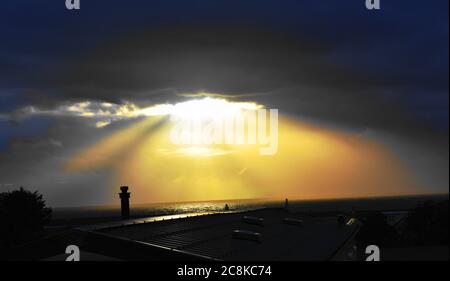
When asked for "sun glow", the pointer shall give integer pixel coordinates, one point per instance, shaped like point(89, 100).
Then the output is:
point(201, 126)
point(210, 108)
point(199, 108)
point(203, 151)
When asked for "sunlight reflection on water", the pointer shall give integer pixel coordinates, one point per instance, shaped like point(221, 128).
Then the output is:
point(164, 209)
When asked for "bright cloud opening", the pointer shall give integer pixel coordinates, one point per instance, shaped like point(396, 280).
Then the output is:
point(105, 113)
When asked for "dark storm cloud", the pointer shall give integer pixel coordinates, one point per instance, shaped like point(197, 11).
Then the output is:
point(328, 61)
point(298, 76)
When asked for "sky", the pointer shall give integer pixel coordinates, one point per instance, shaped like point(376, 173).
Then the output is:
point(362, 97)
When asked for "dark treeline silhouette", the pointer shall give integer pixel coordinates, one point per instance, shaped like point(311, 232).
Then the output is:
point(426, 225)
point(377, 231)
point(23, 215)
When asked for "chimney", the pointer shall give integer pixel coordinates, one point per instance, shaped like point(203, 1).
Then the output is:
point(125, 202)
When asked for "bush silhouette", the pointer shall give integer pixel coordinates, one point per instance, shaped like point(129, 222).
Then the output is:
point(428, 225)
point(23, 215)
point(377, 231)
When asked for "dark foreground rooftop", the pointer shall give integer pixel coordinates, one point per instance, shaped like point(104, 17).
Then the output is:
point(211, 236)
point(264, 235)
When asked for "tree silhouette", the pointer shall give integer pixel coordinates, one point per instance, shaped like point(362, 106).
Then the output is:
point(428, 224)
point(376, 231)
point(23, 215)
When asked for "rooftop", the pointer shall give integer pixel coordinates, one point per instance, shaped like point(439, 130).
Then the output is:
point(211, 236)
point(264, 234)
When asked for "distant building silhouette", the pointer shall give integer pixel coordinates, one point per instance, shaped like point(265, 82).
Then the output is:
point(125, 202)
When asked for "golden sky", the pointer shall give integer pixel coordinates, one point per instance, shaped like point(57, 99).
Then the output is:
point(311, 162)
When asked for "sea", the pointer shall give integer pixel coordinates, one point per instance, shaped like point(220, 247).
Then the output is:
point(99, 214)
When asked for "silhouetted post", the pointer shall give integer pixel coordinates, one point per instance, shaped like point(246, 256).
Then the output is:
point(286, 204)
point(125, 202)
